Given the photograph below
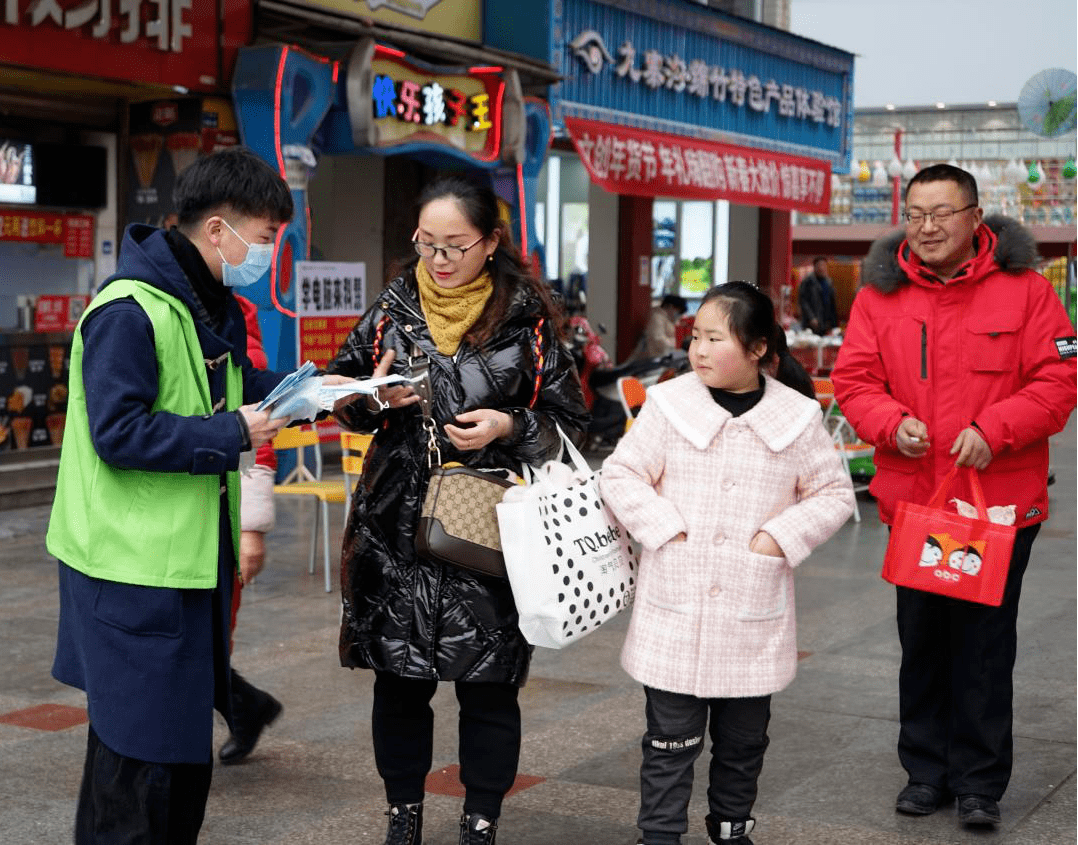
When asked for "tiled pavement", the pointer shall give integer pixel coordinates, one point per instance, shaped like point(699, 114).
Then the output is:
point(830, 775)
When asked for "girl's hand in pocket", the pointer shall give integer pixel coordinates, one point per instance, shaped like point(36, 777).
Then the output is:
point(764, 544)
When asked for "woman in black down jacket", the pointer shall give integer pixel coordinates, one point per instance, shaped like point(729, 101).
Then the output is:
point(500, 383)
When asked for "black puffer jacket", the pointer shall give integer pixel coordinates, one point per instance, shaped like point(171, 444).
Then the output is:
point(409, 615)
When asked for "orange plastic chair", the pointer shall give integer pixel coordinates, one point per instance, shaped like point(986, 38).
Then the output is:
point(632, 394)
point(825, 394)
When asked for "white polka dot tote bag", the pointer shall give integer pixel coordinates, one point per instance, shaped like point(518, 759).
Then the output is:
point(570, 563)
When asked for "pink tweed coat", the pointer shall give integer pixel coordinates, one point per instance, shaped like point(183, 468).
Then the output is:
point(711, 618)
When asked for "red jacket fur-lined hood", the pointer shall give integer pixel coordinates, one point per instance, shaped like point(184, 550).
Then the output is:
point(1000, 242)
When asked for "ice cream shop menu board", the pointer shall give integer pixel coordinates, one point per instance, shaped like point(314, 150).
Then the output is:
point(33, 390)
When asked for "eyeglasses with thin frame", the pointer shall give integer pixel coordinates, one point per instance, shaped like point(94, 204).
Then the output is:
point(937, 215)
point(450, 253)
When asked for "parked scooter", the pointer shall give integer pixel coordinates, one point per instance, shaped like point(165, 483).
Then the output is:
point(599, 379)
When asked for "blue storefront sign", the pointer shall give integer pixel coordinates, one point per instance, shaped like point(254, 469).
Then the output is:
point(673, 66)
point(292, 105)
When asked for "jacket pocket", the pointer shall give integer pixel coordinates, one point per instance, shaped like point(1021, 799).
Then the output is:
point(895, 476)
point(992, 341)
point(664, 588)
point(143, 611)
point(765, 586)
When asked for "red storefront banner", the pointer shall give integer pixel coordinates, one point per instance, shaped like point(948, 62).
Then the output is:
point(626, 160)
point(74, 231)
point(165, 42)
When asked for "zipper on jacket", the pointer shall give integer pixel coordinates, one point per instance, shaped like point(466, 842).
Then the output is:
point(406, 306)
point(924, 350)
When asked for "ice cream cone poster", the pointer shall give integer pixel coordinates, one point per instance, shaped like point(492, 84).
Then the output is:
point(182, 149)
point(33, 394)
point(145, 153)
point(165, 140)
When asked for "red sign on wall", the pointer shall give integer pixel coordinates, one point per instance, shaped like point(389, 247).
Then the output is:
point(74, 231)
point(168, 42)
point(54, 313)
point(320, 338)
point(626, 160)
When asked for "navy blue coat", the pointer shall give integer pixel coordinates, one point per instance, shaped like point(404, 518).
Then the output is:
point(154, 661)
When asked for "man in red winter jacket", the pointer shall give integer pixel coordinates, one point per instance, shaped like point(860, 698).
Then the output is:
point(957, 353)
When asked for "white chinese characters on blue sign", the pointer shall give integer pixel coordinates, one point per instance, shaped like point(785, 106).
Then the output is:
point(697, 78)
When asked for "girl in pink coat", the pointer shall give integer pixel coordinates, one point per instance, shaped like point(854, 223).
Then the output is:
point(728, 480)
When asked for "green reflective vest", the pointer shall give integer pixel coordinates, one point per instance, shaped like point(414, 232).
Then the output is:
point(157, 529)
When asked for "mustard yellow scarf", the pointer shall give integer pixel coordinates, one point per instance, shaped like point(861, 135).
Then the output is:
point(450, 312)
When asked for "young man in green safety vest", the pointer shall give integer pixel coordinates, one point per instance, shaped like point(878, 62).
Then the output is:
point(163, 400)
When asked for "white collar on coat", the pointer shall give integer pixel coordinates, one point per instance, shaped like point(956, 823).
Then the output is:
point(777, 419)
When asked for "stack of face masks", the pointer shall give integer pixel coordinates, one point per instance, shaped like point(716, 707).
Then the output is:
point(302, 395)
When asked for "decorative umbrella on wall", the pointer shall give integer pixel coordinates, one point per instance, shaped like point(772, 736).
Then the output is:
point(1047, 104)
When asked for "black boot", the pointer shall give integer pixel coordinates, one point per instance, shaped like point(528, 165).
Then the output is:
point(405, 824)
point(729, 831)
point(477, 829)
point(252, 710)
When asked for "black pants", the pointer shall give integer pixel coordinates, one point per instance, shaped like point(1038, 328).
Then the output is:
point(128, 801)
point(674, 739)
point(955, 685)
point(403, 726)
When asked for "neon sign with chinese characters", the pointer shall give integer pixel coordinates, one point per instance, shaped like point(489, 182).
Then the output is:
point(410, 104)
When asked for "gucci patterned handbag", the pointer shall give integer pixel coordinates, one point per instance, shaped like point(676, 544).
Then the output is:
point(459, 524)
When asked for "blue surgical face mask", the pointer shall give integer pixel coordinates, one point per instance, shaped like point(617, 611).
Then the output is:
point(251, 269)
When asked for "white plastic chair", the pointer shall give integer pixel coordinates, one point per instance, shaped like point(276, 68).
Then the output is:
point(850, 446)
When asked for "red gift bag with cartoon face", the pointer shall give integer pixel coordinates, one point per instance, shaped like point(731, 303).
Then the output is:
point(940, 551)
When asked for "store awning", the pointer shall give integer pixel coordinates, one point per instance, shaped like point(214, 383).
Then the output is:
point(639, 162)
point(328, 33)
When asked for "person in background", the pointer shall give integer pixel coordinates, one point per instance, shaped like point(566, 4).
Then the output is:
point(957, 352)
point(145, 521)
point(252, 709)
point(660, 334)
point(500, 382)
point(816, 299)
point(728, 480)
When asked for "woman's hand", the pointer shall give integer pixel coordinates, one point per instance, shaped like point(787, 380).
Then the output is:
point(344, 400)
point(764, 544)
point(392, 395)
point(480, 428)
